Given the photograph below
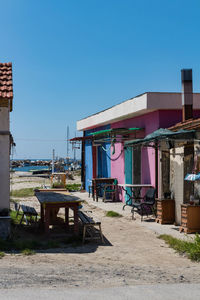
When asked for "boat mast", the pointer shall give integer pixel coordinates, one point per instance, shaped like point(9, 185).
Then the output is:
point(67, 146)
point(53, 160)
point(75, 151)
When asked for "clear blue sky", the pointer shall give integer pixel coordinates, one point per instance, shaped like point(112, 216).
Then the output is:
point(74, 58)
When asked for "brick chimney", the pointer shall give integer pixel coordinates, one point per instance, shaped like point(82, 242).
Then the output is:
point(187, 94)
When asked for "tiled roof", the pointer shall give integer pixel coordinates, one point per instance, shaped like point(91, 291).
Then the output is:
point(187, 125)
point(6, 86)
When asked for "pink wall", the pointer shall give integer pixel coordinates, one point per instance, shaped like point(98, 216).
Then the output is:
point(117, 163)
point(117, 166)
point(169, 118)
point(150, 122)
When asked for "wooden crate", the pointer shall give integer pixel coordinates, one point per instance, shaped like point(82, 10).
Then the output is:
point(165, 211)
point(190, 218)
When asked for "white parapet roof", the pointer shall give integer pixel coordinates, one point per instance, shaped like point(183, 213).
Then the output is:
point(136, 106)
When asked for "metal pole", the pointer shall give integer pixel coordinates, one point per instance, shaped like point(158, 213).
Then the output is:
point(75, 151)
point(53, 159)
point(67, 146)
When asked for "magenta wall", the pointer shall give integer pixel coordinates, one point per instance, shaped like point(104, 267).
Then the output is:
point(150, 122)
point(117, 163)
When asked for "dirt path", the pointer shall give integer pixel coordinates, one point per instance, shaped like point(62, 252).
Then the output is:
point(132, 255)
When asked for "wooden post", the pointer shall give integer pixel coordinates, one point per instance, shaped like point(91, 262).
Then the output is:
point(94, 161)
point(67, 217)
point(83, 162)
point(47, 217)
point(76, 219)
point(42, 213)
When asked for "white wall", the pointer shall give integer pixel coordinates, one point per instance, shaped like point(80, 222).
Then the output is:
point(4, 159)
point(177, 179)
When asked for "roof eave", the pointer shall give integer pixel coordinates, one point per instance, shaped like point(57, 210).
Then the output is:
point(140, 105)
point(125, 110)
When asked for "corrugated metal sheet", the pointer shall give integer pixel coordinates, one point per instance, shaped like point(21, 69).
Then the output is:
point(187, 125)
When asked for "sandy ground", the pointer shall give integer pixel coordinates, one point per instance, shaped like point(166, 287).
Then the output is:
point(17, 181)
point(132, 255)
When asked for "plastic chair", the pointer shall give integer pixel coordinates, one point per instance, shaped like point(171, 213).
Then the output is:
point(146, 205)
point(110, 189)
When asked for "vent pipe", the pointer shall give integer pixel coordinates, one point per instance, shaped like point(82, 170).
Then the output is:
point(187, 94)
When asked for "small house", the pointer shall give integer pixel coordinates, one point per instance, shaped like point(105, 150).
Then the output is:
point(106, 133)
point(6, 97)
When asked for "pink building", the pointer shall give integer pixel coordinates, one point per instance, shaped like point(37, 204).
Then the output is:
point(106, 133)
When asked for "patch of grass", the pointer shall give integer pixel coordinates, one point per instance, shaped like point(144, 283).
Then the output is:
point(2, 254)
point(52, 244)
point(25, 245)
point(27, 192)
point(74, 240)
point(15, 219)
point(73, 187)
point(191, 249)
point(28, 252)
point(19, 244)
point(113, 214)
point(23, 239)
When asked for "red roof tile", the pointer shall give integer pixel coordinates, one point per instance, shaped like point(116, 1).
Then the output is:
point(6, 85)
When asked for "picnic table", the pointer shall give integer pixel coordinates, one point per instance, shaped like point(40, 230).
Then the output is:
point(51, 202)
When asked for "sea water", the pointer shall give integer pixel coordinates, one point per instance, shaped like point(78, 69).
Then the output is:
point(30, 168)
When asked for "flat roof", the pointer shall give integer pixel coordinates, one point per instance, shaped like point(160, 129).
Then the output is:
point(139, 105)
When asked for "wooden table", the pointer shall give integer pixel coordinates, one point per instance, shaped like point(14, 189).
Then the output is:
point(135, 191)
point(96, 183)
point(51, 202)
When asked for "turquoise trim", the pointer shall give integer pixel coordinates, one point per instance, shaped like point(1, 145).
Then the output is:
point(128, 170)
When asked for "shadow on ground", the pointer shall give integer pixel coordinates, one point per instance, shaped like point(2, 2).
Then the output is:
point(31, 238)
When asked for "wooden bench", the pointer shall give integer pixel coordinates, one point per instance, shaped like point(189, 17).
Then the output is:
point(89, 224)
point(28, 211)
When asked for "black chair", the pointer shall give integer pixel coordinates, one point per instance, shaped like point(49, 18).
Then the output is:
point(146, 206)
